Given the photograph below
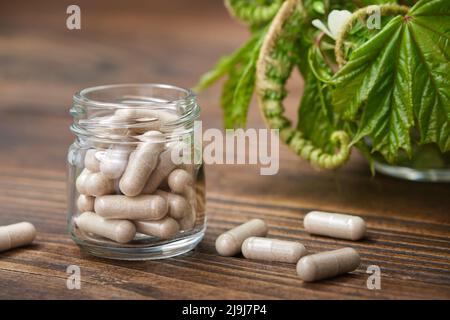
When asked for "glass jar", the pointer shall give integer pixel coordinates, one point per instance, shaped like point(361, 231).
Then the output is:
point(427, 164)
point(136, 186)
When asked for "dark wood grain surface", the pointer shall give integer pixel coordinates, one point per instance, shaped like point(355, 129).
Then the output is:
point(42, 64)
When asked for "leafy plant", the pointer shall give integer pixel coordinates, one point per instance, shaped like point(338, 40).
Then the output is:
point(381, 90)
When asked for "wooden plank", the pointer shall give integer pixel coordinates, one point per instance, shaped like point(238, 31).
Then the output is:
point(42, 65)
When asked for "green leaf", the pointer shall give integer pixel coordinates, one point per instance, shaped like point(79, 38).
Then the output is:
point(226, 99)
point(226, 63)
point(243, 95)
point(398, 78)
point(242, 86)
point(313, 120)
point(316, 118)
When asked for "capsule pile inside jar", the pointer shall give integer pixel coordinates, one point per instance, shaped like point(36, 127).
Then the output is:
point(125, 189)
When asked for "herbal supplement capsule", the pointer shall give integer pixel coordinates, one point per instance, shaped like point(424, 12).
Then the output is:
point(141, 163)
point(85, 203)
point(91, 162)
point(113, 125)
point(97, 184)
point(178, 206)
point(188, 221)
point(179, 181)
point(230, 242)
point(162, 170)
point(16, 235)
point(327, 264)
point(272, 250)
point(143, 125)
point(121, 231)
point(335, 225)
point(81, 181)
point(136, 113)
point(164, 228)
point(143, 207)
point(114, 161)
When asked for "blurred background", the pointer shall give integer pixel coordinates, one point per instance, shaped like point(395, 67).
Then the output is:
point(42, 64)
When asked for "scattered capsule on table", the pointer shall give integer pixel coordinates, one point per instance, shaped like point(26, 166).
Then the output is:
point(90, 161)
point(272, 250)
point(163, 169)
point(121, 231)
point(114, 161)
point(178, 205)
point(327, 264)
point(164, 228)
point(85, 203)
point(230, 242)
point(143, 207)
point(141, 164)
point(16, 235)
point(180, 181)
point(335, 225)
point(97, 184)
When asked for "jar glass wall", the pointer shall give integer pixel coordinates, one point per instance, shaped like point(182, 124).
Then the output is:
point(136, 191)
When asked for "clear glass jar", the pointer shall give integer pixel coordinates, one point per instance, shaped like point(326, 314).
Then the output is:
point(136, 188)
point(427, 164)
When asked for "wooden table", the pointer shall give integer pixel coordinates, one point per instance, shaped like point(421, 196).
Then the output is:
point(42, 64)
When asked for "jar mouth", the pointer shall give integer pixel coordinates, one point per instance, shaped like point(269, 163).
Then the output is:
point(140, 95)
point(92, 107)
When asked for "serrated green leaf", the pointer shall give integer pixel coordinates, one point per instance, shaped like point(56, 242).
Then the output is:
point(316, 119)
point(226, 99)
point(226, 63)
point(243, 95)
point(399, 77)
point(243, 91)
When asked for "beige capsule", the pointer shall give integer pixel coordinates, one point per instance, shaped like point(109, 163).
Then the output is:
point(105, 127)
point(273, 250)
point(16, 235)
point(188, 221)
point(85, 203)
point(230, 242)
point(90, 161)
point(141, 164)
point(139, 113)
point(180, 181)
point(143, 125)
point(113, 124)
point(163, 169)
point(164, 228)
point(178, 205)
point(97, 184)
point(81, 181)
point(121, 231)
point(335, 225)
point(143, 207)
point(327, 264)
point(114, 161)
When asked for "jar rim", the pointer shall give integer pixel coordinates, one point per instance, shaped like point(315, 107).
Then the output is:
point(82, 95)
point(132, 96)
